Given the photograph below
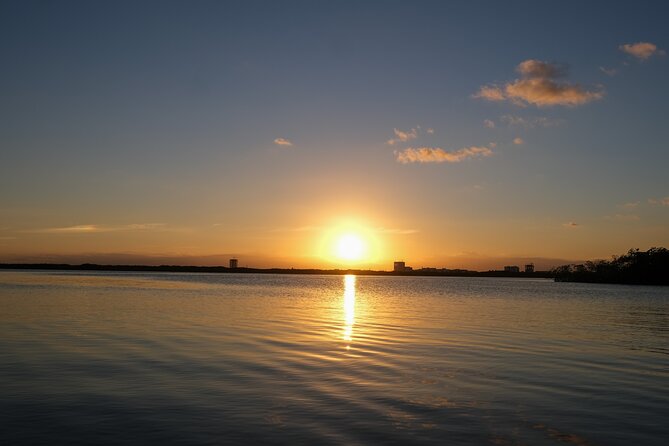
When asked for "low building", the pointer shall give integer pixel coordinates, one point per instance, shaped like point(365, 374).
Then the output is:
point(234, 263)
point(512, 269)
point(529, 268)
point(400, 267)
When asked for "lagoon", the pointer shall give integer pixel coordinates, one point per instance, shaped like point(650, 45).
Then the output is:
point(139, 358)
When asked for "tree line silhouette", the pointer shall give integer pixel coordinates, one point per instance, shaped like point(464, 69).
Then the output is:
point(636, 267)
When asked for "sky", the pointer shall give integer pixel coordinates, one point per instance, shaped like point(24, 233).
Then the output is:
point(444, 134)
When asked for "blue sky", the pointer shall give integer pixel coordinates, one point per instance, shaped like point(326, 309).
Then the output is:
point(151, 127)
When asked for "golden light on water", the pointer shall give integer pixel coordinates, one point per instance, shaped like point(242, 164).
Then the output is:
point(349, 307)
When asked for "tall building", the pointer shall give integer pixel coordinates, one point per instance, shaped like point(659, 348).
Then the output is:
point(529, 268)
point(233, 263)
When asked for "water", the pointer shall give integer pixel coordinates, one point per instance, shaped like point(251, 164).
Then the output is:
point(137, 358)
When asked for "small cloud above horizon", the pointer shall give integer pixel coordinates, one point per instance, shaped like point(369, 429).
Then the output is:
point(540, 84)
point(297, 229)
point(531, 122)
point(439, 155)
point(91, 229)
point(402, 136)
point(608, 71)
point(641, 50)
point(571, 224)
point(489, 123)
point(283, 142)
point(518, 141)
point(659, 201)
point(396, 231)
point(623, 217)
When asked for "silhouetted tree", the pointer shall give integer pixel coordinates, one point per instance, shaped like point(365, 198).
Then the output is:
point(636, 267)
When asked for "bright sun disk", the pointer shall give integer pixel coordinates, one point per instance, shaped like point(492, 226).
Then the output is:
point(350, 247)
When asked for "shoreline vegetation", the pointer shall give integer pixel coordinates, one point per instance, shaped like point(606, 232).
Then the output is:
point(225, 269)
point(633, 268)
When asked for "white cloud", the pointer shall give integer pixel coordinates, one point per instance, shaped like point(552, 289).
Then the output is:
point(518, 141)
point(430, 131)
point(641, 50)
point(283, 142)
point(539, 85)
point(402, 136)
point(439, 155)
point(488, 123)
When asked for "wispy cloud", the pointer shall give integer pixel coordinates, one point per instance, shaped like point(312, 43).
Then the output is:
point(74, 229)
point(490, 93)
point(396, 231)
point(608, 71)
point(641, 50)
point(439, 155)
point(92, 229)
point(571, 225)
point(297, 229)
point(659, 201)
point(488, 123)
point(518, 141)
point(531, 122)
point(402, 136)
point(283, 142)
point(630, 205)
point(540, 84)
point(430, 131)
point(623, 217)
point(142, 226)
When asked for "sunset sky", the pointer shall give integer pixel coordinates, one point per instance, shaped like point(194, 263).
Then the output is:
point(446, 134)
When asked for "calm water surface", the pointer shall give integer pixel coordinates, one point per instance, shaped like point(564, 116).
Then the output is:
point(136, 358)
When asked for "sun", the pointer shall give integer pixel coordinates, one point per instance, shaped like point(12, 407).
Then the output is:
point(348, 243)
point(350, 247)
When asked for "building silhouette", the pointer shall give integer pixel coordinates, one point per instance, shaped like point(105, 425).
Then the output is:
point(400, 267)
point(512, 269)
point(529, 268)
point(234, 263)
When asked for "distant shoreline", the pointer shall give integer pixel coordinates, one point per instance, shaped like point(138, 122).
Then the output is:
point(243, 270)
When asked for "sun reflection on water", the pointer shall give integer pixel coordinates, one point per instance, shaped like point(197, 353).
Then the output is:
point(349, 307)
